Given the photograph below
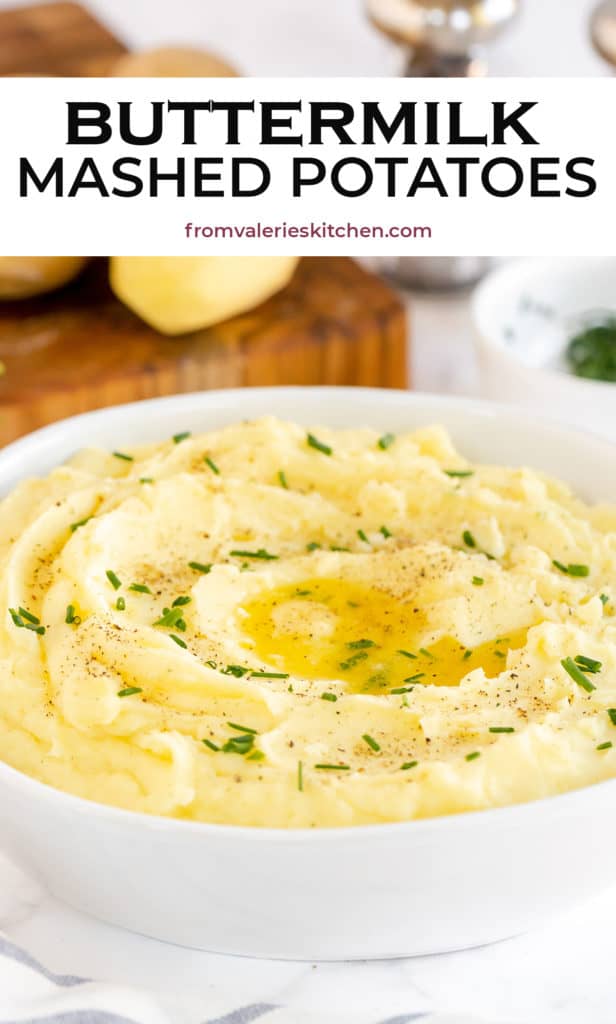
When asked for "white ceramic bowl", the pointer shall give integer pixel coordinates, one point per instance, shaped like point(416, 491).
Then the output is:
point(366, 892)
point(525, 313)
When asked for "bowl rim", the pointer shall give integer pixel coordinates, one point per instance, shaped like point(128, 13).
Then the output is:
point(487, 294)
point(486, 408)
point(566, 802)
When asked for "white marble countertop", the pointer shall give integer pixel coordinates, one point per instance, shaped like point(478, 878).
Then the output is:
point(563, 972)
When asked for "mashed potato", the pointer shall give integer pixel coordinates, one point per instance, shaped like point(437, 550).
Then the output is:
point(264, 626)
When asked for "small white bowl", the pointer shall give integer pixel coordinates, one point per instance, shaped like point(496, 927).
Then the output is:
point(324, 894)
point(525, 313)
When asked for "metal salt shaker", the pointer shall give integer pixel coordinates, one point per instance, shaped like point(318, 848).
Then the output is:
point(443, 38)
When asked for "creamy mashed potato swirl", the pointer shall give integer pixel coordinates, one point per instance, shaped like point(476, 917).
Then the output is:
point(269, 627)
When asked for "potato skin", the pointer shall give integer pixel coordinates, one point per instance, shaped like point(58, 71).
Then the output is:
point(21, 277)
point(172, 62)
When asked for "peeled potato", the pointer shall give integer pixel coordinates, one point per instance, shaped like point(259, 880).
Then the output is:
point(172, 62)
point(24, 276)
point(175, 294)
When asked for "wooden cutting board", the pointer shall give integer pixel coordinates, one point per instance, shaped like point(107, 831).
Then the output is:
point(81, 349)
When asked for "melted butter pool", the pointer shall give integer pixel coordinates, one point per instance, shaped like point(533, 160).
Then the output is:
point(338, 629)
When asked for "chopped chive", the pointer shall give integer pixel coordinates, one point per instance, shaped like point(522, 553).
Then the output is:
point(577, 675)
point(212, 746)
point(336, 547)
point(313, 442)
point(372, 743)
point(300, 776)
point(468, 539)
point(333, 767)
point(124, 456)
point(212, 465)
point(140, 588)
point(129, 691)
point(313, 546)
point(70, 618)
point(407, 654)
point(242, 728)
point(612, 715)
point(360, 645)
point(303, 593)
point(234, 670)
point(478, 581)
point(386, 441)
point(177, 438)
point(329, 696)
point(413, 679)
point(573, 569)
point(242, 745)
point(402, 689)
point(588, 664)
point(501, 728)
point(604, 599)
point(353, 660)
point(116, 583)
point(408, 764)
point(500, 654)
point(605, 746)
point(426, 653)
point(467, 655)
point(269, 675)
point(459, 472)
point(171, 617)
point(80, 522)
point(180, 601)
point(282, 479)
point(386, 533)
point(29, 617)
point(146, 480)
point(256, 755)
point(18, 620)
point(261, 553)
point(200, 567)
point(362, 536)
point(239, 744)
point(121, 604)
point(473, 756)
point(178, 640)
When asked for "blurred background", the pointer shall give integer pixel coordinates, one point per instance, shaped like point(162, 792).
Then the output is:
point(78, 336)
point(333, 37)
